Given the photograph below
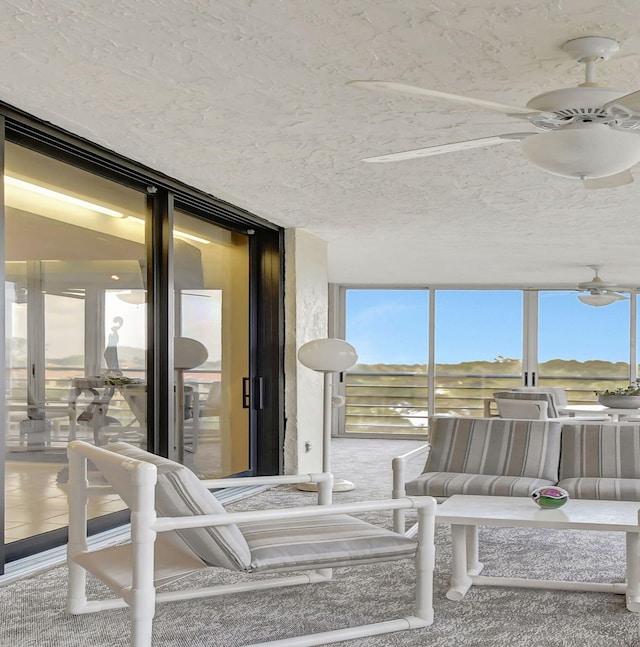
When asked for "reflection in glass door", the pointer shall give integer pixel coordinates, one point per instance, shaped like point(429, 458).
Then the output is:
point(478, 348)
point(582, 348)
point(211, 281)
point(74, 244)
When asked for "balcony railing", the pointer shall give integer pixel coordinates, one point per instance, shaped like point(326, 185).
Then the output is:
point(398, 402)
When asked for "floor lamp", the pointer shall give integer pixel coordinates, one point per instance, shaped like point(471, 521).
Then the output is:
point(187, 354)
point(328, 356)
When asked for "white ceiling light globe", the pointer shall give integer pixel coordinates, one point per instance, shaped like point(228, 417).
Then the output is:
point(598, 299)
point(583, 150)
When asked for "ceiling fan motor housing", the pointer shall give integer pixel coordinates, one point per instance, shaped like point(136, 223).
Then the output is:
point(580, 99)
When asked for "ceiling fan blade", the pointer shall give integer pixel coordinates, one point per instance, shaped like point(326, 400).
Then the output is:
point(629, 101)
point(449, 148)
point(610, 181)
point(392, 86)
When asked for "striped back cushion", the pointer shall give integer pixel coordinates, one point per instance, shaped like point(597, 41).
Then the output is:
point(179, 493)
point(552, 411)
point(495, 446)
point(607, 450)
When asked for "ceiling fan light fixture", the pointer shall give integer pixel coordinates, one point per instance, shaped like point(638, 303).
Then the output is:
point(583, 150)
point(598, 300)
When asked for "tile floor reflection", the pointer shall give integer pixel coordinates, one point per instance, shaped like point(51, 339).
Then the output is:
point(36, 502)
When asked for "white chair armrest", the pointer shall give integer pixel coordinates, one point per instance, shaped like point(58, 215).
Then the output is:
point(164, 524)
point(282, 479)
point(324, 481)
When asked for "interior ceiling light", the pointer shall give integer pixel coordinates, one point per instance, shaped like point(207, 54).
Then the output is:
point(583, 150)
point(600, 292)
point(61, 197)
point(135, 297)
point(598, 299)
point(176, 232)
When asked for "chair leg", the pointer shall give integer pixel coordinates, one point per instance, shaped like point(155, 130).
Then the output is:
point(76, 592)
point(141, 627)
point(425, 564)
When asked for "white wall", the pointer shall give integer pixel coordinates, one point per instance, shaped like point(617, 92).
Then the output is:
point(306, 306)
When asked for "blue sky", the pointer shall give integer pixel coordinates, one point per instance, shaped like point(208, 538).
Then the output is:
point(390, 326)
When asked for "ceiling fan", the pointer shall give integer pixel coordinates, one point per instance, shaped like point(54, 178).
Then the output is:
point(598, 292)
point(588, 132)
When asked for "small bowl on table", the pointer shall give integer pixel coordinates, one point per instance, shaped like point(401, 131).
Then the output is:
point(620, 401)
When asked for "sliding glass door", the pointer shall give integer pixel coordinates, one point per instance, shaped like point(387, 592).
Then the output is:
point(75, 252)
point(119, 308)
point(211, 281)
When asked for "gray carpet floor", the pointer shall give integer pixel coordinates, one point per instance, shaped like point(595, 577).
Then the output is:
point(33, 609)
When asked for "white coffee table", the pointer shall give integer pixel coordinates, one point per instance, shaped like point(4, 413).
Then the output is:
point(465, 513)
point(617, 414)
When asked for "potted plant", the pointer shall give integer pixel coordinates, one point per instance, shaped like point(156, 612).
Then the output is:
point(624, 397)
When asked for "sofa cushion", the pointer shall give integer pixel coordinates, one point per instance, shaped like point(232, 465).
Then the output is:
point(495, 446)
point(446, 484)
point(179, 493)
point(336, 540)
point(607, 450)
point(609, 489)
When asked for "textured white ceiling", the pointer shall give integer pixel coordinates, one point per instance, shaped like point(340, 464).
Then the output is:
point(246, 99)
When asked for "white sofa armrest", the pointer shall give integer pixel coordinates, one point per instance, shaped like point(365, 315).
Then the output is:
point(399, 465)
point(399, 468)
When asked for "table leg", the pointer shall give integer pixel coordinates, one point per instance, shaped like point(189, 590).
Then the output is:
point(633, 571)
point(474, 566)
point(460, 580)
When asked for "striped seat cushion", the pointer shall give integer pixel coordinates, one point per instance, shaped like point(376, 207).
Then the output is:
point(179, 493)
point(446, 484)
point(336, 540)
point(609, 489)
point(495, 446)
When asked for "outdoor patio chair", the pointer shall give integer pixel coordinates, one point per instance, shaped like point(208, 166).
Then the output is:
point(178, 527)
point(553, 412)
point(135, 395)
point(522, 409)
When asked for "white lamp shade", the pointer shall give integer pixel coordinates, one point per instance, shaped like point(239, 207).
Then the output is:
point(598, 299)
point(328, 355)
point(583, 150)
point(188, 353)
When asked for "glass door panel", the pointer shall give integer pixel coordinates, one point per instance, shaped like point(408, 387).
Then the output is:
point(478, 348)
point(582, 348)
point(71, 239)
point(211, 280)
point(387, 390)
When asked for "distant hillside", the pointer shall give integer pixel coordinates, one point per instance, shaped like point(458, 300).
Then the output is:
point(506, 366)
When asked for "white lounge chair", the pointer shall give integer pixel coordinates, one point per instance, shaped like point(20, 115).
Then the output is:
point(178, 526)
